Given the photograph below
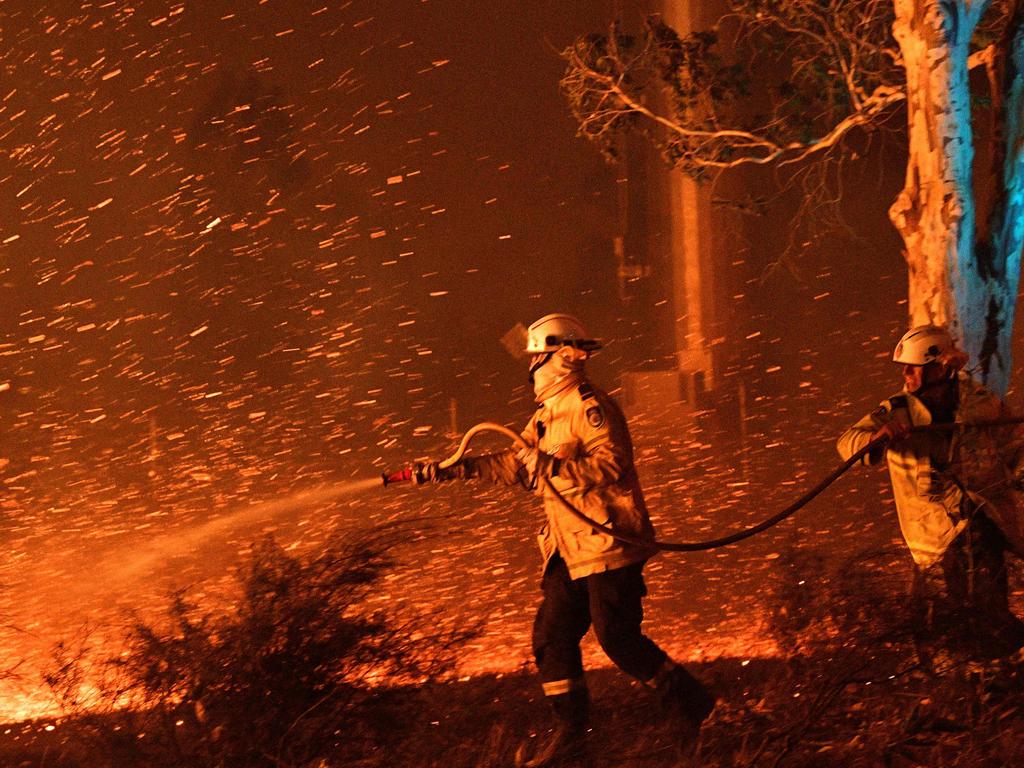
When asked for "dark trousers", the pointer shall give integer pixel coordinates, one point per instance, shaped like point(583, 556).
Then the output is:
point(963, 600)
point(611, 602)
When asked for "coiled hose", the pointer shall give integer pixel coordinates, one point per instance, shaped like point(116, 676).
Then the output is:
point(696, 546)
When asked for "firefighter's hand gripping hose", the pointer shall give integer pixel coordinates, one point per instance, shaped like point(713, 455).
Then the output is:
point(695, 546)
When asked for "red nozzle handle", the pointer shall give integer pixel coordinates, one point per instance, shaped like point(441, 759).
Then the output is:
point(406, 475)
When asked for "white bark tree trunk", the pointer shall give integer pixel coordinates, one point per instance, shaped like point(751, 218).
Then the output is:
point(935, 212)
point(1001, 262)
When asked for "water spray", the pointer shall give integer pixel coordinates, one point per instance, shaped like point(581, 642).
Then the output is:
point(415, 474)
point(146, 557)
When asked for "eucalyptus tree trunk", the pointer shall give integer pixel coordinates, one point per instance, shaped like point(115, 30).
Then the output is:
point(935, 212)
point(1000, 261)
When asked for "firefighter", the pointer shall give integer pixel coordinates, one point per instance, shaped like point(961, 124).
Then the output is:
point(955, 494)
point(580, 441)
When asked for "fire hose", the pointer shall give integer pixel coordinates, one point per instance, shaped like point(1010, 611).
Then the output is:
point(410, 475)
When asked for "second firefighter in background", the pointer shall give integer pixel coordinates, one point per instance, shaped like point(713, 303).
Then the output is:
point(957, 494)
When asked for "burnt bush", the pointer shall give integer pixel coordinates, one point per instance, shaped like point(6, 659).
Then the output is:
point(860, 601)
point(854, 686)
point(296, 673)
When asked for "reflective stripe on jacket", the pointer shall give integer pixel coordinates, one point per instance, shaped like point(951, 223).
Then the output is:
point(928, 468)
point(584, 429)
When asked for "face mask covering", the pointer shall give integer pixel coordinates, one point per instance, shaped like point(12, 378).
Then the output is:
point(559, 372)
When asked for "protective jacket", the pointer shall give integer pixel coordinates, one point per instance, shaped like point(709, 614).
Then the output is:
point(938, 478)
point(585, 434)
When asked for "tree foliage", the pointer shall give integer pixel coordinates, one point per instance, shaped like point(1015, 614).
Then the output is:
point(776, 81)
point(783, 82)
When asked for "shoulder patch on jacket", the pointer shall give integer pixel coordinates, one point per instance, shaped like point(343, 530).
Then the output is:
point(595, 416)
point(586, 391)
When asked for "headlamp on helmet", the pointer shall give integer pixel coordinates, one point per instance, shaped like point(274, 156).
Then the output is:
point(552, 332)
point(922, 344)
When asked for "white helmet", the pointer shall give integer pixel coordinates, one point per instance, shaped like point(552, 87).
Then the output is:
point(552, 332)
point(922, 344)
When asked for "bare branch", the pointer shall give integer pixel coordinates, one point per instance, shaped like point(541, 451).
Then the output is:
point(706, 148)
point(691, 101)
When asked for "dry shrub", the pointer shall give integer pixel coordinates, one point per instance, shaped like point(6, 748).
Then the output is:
point(295, 674)
point(855, 690)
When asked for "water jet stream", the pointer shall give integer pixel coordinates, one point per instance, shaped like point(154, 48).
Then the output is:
point(168, 546)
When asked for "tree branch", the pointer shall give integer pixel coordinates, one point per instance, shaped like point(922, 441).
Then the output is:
point(684, 94)
point(710, 143)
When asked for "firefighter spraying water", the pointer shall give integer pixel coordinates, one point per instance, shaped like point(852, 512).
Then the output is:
point(577, 446)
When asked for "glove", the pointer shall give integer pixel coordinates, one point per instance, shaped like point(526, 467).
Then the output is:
point(536, 465)
point(894, 431)
point(433, 472)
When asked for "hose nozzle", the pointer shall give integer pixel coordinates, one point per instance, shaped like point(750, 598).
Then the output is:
point(407, 475)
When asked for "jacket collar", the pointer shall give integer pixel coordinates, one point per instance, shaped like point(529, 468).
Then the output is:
point(919, 413)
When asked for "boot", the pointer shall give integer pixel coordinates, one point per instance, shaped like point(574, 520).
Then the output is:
point(1000, 637)
point(686, 702)
point(572, 709)
point(565, 744)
